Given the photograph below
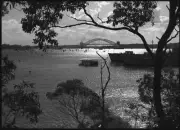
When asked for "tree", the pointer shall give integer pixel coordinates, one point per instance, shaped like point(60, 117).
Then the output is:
point(22, 100)
point(80, 96)
point(103, 88)
point(170, 94)
point(118, 43)
point(83, 105)
point(41, 18)
point(9, 4)
point(81, 44)
point(77, 101)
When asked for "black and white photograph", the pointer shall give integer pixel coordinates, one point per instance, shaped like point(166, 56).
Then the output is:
point(76, 64)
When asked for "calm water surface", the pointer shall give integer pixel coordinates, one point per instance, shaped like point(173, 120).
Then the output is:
point(50, 68)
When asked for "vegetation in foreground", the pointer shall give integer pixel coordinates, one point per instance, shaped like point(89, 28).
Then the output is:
point(83, 105)
point(21, 101)
point(142, 12)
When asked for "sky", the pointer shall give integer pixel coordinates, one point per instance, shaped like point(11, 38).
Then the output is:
point(12, 32)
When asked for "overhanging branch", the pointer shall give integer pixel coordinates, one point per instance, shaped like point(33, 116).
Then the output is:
point(158, 38)
point(177, 32)
point(101, 19)
point(145, 44)
point(173, 17)
point(82, 20)
point(72, 25)
point(94, 23)
point(85, 11)
point(167, 7)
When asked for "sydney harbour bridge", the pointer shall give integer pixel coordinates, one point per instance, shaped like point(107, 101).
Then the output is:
point(99, 43)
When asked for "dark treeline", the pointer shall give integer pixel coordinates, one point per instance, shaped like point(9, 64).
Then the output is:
point(19, 47)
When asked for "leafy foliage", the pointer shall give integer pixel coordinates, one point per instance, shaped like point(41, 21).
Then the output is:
point(42, 16)
point(83, 104)
point(170, 95)
point(132, 13)
point(9, 4)
point(7, 70)
point(22, 100)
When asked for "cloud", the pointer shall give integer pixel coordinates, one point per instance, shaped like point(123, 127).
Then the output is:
point(158, 8)
point(12, 25)
point(93, 9)
point(97, 7)
point(101, 4)
point(12, 33)
point(157, 12)
point(109, 13)
point(164, 19)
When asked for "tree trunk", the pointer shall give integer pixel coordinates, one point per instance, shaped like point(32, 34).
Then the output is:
point(157, 88)
point(103, 113)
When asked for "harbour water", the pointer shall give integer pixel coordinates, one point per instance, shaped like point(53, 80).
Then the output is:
point(55, 66)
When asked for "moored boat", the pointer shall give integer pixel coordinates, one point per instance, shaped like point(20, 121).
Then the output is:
point(144, 59)
point(88, 62)
point(119, 57)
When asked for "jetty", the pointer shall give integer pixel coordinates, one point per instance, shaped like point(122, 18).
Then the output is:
point(88, 62)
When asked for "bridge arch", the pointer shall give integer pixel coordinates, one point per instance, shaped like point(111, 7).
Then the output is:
point(100, 39)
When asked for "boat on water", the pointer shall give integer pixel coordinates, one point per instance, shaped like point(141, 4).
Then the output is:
point(88, 62)
point(131, 59)
point(119, 57)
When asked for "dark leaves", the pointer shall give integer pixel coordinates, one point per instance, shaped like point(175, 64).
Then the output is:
point(132, 13)
point(7, 70)
point(24, 100)
point(170, 94)
point(42, 16)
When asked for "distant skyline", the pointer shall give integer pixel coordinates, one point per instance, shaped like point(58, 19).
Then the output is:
point(12, 32)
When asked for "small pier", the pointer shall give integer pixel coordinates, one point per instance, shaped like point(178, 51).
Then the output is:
point(88, 62)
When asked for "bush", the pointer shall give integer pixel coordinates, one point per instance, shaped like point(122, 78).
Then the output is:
point(83, 105)
point(170, 95)
point(23, 100)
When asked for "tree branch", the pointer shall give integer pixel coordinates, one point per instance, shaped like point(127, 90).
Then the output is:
point(158, 38)
point(72, 25)
point(85, 11)
point(68, 110)
point(145, 44)
point(167, 7)
point(82, 20)
point(101, 19)
point(173, 16)
point(94, 23)
point(108, 71)
point(177, 32)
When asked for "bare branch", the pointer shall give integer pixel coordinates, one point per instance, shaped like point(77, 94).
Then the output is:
point(177, 32)
point(107, 69)
point(145, 44)
point(82, 20)
point(103, 89)
point(68, 107)
point(122, 28)
point(128, 28)
point(158, 38)
point(167, 7)
point(85, 11)
point(72, 25)
point(101, 19)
